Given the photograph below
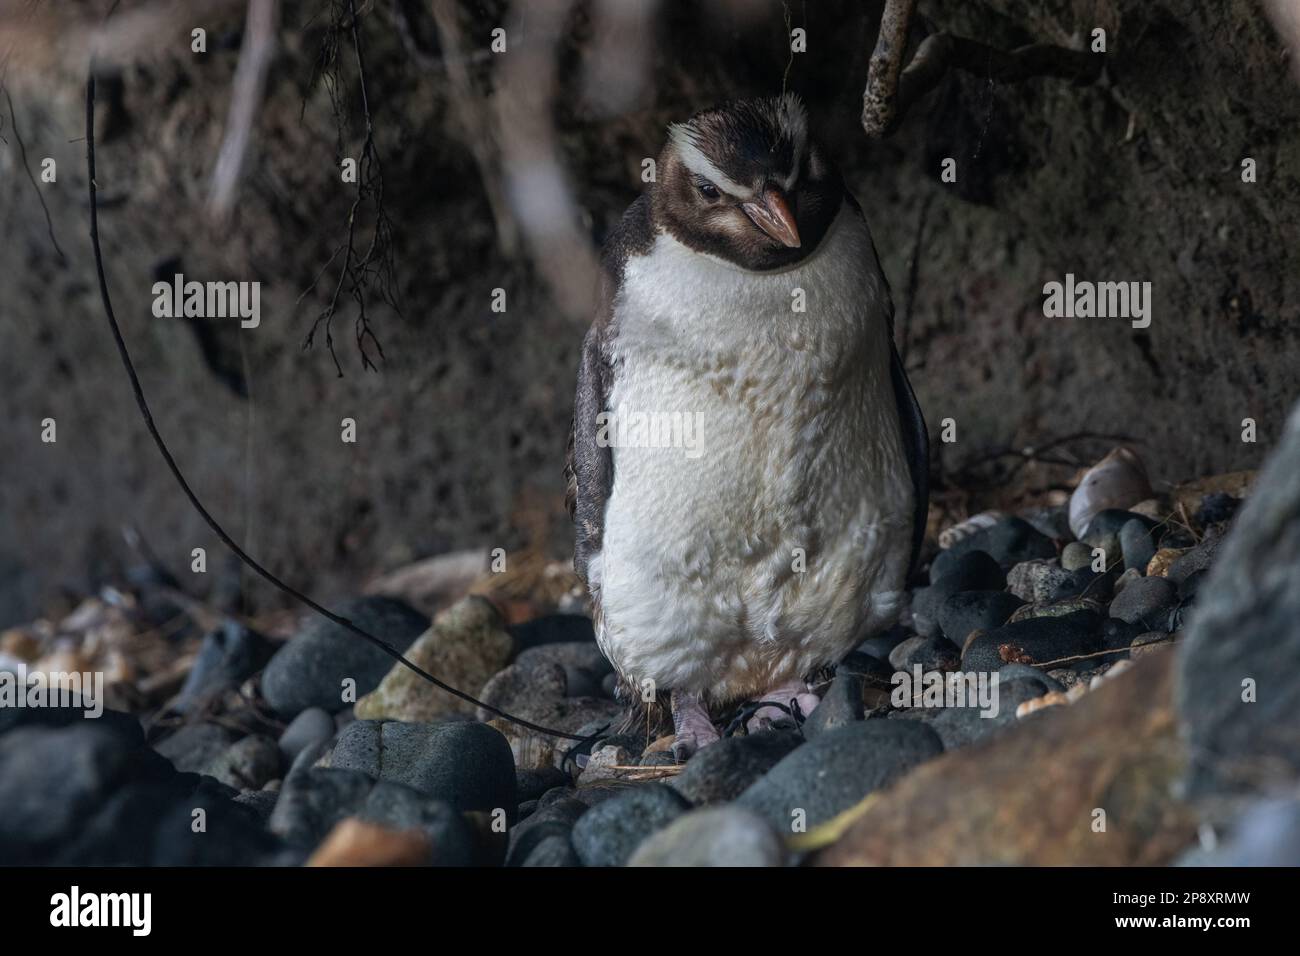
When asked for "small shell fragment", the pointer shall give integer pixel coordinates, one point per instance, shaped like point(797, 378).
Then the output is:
point(1051, 699)
point(1117, 481)
point(964, 529)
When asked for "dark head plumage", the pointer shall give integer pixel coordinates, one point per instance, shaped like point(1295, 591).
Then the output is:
point(745, 181)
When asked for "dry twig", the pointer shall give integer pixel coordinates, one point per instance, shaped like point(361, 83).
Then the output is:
point(536, 184)
point(473, 117)
point(360, 270)
point(40, 196)
point(891, 89)
point(255, 57)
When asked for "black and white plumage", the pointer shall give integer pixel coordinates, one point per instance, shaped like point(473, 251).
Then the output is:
point(732, 570)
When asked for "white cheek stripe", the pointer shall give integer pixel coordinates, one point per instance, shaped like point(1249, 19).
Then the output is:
point(701, 165)
point(788, 182)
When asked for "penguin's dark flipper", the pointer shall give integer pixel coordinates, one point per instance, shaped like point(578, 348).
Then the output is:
point(916, 444)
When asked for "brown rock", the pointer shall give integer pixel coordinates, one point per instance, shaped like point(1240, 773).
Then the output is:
point(1027, 797)
point(662, 744)
point(21, 644)
point(1163, 560)
point(1236, 483)
point(355, 843)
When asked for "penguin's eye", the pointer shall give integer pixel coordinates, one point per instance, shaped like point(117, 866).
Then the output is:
point(707, 189)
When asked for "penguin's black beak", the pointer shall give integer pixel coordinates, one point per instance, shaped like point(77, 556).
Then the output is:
point(772, 214)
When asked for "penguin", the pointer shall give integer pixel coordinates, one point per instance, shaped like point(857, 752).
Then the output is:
point(747, 470)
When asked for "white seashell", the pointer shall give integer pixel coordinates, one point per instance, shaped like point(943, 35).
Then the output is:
point(1117, 481)
point(964, 529)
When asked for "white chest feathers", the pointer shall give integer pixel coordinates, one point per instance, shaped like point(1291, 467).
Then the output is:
point(759, 524)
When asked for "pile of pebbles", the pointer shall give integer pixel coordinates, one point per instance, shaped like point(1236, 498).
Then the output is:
point(322, 730)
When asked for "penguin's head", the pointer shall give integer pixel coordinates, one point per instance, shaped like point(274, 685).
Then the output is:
point(745, 182)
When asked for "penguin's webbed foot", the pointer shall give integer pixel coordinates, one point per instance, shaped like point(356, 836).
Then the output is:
point(792, 695)
point(691, 725)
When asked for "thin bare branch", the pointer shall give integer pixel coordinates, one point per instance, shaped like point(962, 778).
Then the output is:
point(40, 197)
point(536, 181)
point(371, 270)
point(255, 57)
point(617, 68)
point(473, 117)
point(891, 90)
point(879, 99)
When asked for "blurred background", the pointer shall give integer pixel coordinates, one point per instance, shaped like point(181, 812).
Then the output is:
point(484, 171)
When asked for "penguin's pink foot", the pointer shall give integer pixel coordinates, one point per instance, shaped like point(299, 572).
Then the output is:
point(691, 724)
point(794, 695)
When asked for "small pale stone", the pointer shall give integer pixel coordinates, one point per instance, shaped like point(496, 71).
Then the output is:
point(1033, 581)
point(602, 763)
point(466, 645)
point(1076, 555)
point(1052, 699)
